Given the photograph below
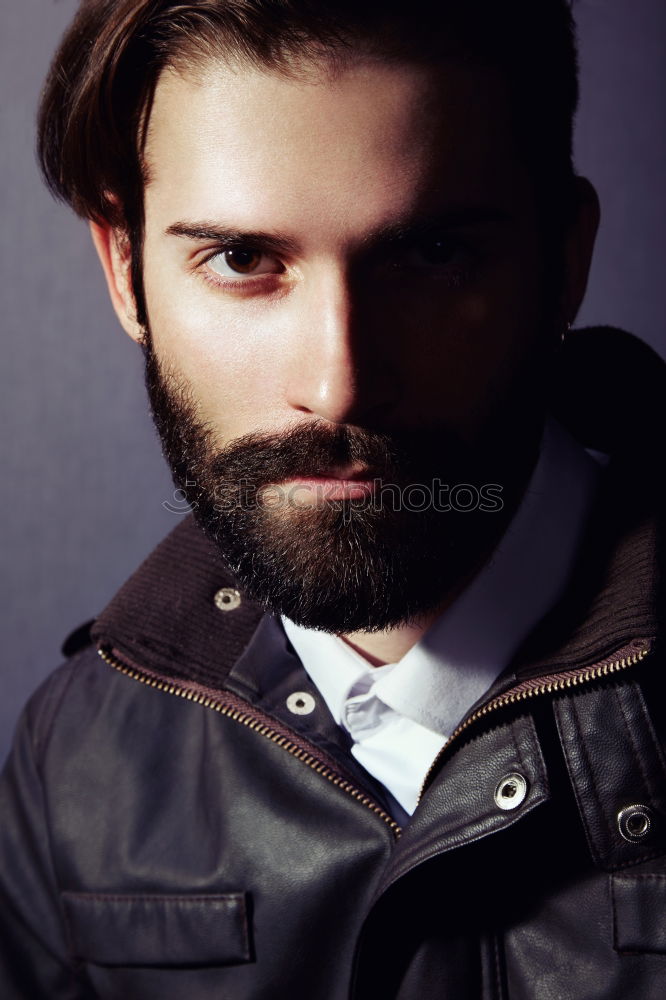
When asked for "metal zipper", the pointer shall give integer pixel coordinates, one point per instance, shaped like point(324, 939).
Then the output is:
point(258, 726)
point(623, 658)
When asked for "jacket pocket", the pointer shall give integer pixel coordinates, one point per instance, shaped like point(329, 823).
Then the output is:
point(138, 930)
point(639, 912)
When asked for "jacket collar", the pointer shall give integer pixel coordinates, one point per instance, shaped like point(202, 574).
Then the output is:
point(168, 617)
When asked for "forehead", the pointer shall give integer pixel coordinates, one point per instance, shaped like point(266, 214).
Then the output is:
point(352, 148)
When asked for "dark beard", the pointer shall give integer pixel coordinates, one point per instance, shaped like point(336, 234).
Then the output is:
point(343, 565)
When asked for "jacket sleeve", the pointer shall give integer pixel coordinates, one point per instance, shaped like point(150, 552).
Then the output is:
point(34, 962)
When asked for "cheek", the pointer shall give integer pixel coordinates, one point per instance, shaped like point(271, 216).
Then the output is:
point(468, 344)
point(218, 346)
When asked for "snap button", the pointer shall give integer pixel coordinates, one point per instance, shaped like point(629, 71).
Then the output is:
point(511, 791)
point(301, 703)
point(227, 599)
point(634, 822)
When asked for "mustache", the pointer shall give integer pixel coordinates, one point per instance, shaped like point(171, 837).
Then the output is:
point(314, 450)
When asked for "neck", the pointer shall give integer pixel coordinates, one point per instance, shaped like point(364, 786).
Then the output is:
point(389, 646)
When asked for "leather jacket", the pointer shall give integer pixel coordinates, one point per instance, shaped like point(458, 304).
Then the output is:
point(171, 830)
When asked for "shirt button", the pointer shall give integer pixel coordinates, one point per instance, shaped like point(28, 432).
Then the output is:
point(301, 703)
point(511, 791)
point(227, 599)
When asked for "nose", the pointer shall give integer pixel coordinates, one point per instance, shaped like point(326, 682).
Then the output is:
point(339, 370)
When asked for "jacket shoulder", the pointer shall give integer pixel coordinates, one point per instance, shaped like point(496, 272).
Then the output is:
point(47, 701)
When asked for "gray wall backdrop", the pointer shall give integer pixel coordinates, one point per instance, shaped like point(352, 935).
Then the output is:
point(82, 477)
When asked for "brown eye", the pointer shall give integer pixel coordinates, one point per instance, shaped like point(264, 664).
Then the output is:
point(242, 261)
point(435, 251)
point(446, 257)
point(438, 251)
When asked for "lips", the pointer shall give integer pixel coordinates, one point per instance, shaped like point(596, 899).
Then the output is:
point(338, 483)
point(346, 473)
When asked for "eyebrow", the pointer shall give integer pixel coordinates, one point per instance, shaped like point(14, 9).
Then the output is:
point(397, 232)
point(226, 236)
point(462, 217)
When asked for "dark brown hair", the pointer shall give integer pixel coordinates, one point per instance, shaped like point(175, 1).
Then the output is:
point(97, 97)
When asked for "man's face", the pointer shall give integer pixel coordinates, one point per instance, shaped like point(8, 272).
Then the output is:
point(340, 321)
point(350, 263)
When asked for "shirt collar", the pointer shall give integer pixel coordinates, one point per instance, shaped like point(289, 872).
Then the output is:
point(334, 667)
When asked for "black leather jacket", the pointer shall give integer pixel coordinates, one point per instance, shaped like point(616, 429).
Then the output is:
point(171, 831)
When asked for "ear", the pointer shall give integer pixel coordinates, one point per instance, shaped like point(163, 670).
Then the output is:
point(579, 246)
point(114, 251)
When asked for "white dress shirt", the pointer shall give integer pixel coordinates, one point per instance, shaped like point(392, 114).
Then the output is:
point(401, 714)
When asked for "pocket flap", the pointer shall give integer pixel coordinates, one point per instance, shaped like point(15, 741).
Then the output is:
point(177, 930)
point(639, 912)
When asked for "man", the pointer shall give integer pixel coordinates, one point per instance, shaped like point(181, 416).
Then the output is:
point(383, 718)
